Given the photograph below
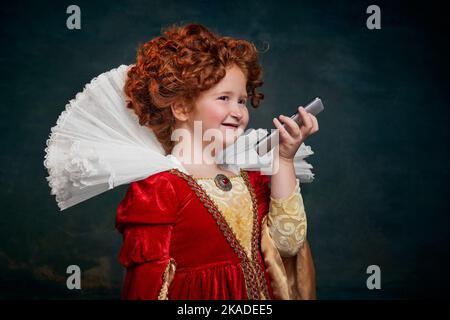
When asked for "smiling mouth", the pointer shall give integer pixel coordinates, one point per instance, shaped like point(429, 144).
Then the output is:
point(233, 126)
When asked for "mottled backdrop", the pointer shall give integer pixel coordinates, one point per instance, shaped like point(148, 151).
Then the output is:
point(381, 156)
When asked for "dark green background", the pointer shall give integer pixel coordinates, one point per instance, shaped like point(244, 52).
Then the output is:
point(381, 156)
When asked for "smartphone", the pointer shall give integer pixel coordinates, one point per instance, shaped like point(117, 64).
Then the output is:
point(269, 142)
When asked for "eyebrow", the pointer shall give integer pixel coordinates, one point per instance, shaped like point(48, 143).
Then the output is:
point(229, 92)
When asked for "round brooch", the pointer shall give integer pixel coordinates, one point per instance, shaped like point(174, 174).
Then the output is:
point(222, 182)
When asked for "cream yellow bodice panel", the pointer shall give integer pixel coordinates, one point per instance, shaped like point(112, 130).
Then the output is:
point(286, 218)
point(236, 207)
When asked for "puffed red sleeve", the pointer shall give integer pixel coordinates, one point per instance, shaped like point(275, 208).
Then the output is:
point(146, 217)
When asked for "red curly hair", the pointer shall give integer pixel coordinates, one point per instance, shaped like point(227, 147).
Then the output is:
point(181, 63)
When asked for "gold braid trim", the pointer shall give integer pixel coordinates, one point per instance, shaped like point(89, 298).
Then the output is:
point(167, 279)
point(253, 273)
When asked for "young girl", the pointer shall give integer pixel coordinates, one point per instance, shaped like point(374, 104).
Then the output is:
point(202, 232)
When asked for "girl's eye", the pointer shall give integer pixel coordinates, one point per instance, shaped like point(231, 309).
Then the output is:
point(243, 101)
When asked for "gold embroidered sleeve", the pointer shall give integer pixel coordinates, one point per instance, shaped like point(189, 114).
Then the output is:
point(287, 222)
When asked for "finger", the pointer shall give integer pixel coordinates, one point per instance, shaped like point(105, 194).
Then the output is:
point(283, 133)
point(281, 130)
point(306, 118)
point(306, 122)
point(315, 123)
point(291, 126)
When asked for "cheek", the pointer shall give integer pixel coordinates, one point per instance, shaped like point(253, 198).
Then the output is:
point(246, 117)
point(215, 116)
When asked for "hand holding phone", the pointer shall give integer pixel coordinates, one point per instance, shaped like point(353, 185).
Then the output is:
point(269, 142)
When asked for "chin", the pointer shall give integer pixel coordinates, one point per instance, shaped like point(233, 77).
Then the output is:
point(226, 144)
point(230, 136)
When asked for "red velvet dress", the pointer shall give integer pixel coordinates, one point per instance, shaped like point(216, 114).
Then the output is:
point(169, 217)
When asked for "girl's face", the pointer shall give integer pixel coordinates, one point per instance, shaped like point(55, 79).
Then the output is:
point(224, 107)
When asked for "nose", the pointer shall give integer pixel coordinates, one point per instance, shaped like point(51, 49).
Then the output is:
point(237, 112)
point(237, 115)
